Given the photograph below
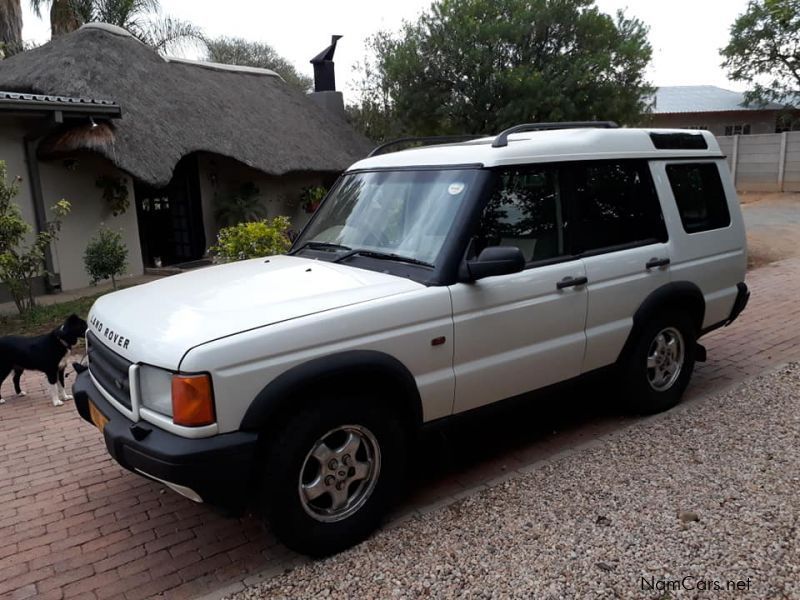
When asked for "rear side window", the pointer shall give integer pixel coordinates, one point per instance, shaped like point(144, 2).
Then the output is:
point(613, 203)
point(699, 195)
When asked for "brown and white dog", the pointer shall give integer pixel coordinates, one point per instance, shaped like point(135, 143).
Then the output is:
point(46, 353)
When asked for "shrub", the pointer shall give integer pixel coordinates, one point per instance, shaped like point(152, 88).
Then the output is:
point(252, 240)
point(106, 256)
point(19, 265)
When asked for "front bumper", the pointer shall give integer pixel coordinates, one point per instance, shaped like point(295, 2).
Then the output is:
point(217, 469)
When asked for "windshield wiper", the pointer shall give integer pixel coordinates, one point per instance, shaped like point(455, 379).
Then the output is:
point(360, 252)
point(382, 256)
point(321, 246)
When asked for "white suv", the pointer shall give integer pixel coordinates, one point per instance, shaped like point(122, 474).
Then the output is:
point(431, 281)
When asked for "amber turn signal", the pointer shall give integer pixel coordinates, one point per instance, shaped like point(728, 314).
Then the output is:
point(192, 400)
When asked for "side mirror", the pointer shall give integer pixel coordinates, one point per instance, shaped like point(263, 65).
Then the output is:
point(495, 260)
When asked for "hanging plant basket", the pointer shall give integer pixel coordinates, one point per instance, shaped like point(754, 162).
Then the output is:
point(311, 198)
point(115, 193)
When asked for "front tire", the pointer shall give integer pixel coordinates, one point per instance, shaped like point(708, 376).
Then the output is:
point(332, 472)
point(660, 364)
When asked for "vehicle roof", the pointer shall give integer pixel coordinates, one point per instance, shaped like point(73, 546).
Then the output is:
point(543, 146)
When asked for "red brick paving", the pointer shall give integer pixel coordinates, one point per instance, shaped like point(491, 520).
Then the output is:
point(73, 524)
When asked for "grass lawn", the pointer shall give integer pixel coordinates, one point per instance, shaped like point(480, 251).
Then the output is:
point(43, 319)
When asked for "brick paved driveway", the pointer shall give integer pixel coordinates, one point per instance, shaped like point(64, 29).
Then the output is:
point(74, 524)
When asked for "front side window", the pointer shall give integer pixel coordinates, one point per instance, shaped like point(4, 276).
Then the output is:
point(404, 213)
point(613, 203)
point(524, 211)
point(699, 195)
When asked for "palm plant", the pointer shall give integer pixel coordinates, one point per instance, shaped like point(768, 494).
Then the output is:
point(63, 15)
point(142, 18)
point(10, 27)
point(242, 207)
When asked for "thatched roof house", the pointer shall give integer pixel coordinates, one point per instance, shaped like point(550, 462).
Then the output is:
point(185, 135)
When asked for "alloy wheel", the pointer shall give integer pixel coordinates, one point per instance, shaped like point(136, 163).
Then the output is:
point(339, 473)
point(665, 359)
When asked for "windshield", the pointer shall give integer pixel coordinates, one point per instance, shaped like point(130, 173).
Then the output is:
point(403, 213)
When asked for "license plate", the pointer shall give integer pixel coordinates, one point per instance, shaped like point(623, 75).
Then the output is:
point(98, 418)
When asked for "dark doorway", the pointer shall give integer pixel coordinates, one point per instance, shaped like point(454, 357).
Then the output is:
point(171, 218)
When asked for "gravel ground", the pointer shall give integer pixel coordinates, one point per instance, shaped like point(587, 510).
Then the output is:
point(709, 491)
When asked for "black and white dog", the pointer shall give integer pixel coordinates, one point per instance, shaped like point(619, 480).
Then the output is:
point(45, 353)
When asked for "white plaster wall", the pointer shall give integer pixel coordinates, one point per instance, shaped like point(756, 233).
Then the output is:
point(76, 181)
point(12, 151)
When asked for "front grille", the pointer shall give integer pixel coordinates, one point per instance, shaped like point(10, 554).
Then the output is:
point(109, 369)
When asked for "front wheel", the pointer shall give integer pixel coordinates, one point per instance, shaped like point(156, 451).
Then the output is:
point(660, 365)
point(332, 472)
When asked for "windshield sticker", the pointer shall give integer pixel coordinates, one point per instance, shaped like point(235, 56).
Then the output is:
point(455, 188)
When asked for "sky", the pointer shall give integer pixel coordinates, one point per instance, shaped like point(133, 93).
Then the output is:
point(686, 35)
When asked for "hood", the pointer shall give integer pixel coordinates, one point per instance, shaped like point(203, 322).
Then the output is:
point(158, 322)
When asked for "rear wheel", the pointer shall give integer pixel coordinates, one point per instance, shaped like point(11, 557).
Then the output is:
point(332, 472)
point(660, 365)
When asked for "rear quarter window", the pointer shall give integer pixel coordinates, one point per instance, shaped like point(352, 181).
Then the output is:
point(699, 195)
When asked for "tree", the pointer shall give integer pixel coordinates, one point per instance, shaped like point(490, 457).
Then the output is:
point(238, 51)
point(142, 18)
point(478, 66)
point(764, 51)
point(106, 256)
point(64, 15)
point(10, 27)
point(20, 264)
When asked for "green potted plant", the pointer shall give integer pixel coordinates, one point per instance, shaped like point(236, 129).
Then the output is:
point(311, 197)
point(115, 193)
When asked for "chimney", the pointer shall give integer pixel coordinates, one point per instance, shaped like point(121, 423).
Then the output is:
point(325, 93)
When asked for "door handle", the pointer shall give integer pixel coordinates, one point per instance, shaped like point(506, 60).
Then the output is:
point(656, 262)
point(571, 282)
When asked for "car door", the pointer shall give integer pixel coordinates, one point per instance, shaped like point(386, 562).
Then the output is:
point(519, 332)
point(615, 223)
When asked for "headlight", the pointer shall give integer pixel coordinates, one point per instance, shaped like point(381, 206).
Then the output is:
point(155, 389)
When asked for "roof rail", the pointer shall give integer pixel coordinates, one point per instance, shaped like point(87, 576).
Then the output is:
point(424, 141)
point(502, 139)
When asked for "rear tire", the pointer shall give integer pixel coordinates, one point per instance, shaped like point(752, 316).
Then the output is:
point(660, 364)
point(332, 471)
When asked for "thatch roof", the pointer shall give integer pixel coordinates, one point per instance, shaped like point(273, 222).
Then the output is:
point(173, 108)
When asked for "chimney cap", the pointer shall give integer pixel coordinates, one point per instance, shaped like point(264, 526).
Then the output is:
point(327, 54)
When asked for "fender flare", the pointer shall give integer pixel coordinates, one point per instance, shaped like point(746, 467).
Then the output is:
point(279, 394)
point(669, 295)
